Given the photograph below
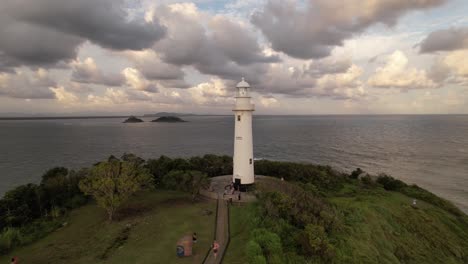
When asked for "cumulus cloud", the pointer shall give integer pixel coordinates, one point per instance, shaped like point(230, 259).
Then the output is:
point(451, 67)
point(397, 74)
point(345, 85)
point(445, 40)
point(313, 31)
point(111, 97)
point(457, 61)
point(331, 77)
point(64, 96)
point(87, 72)
point(27, 85)
point(56, 28)
point(213, 92)
point(137, 81)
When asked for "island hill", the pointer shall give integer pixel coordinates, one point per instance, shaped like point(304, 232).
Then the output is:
point(169, 119)
point(162, 119)
point(133, 119)
point(303, 213)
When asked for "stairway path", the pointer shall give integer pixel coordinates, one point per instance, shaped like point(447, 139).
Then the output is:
point(222, 232)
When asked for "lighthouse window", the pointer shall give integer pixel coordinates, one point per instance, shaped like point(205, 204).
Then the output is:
point(238, 118)
point(250, 161)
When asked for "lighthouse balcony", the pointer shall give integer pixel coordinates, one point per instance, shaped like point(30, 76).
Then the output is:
point(244, 107)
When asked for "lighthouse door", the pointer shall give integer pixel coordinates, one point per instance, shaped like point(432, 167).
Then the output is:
point(237, 183)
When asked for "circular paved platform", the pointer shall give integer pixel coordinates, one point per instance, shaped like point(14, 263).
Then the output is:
point(219, 188)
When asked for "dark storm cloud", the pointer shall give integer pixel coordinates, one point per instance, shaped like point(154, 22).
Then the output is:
point(104, 22)
point(445, 40)
point(158, 70)
point(45, 32)
point(327, 66)
point(27, 44)
point(224, 49)
point(313, 31)
point(237, 43)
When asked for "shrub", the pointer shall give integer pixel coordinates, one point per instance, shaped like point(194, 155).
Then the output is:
point(314, 242)
point(367, 180)
point(258, 260)
point(356, 173)
point(389, 183)
point(253, 250)
point(10, 238)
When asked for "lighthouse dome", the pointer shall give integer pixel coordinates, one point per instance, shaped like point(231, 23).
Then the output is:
point(243, 84)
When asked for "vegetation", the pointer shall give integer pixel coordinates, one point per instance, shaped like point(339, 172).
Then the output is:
point(31, 211)
point(112, 183)
point(145, 231)
point(316, 215)
point(366, 220)
point(169, 119)
point(188, 181)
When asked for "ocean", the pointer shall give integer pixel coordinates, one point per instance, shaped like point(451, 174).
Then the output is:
point(428, 150)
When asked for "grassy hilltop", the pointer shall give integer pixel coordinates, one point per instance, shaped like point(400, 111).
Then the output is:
point(315, 215)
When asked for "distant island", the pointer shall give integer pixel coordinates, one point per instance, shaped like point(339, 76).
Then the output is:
point(169, 119)
point(133, 119)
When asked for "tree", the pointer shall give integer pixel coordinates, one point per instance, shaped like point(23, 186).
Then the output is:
point(187, 181)
point(111, 183)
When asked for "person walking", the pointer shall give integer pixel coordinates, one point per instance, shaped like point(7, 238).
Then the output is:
point(215, 248)
point(194, 237)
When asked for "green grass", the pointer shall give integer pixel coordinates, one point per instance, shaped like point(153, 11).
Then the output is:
point(385, 228)
point(376, 226)
point(241, 223)
point(148, 233)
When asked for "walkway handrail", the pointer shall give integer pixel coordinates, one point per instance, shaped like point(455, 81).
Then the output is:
point(214, 236)
point(228, 232)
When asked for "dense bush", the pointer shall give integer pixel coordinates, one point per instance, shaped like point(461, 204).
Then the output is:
point(186, 181)
point(28, 211)
point(211, 165)
point(324, 177)
point(264, 247)
point(389, 183)
point(296, 214)
point(314, 242)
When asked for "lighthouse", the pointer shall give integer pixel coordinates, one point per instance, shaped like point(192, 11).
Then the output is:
point(243, 173)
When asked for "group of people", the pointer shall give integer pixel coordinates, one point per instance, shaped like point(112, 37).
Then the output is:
point(230, 189)
point(214, 246)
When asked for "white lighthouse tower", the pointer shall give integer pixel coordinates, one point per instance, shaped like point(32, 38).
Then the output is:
point(243, 173)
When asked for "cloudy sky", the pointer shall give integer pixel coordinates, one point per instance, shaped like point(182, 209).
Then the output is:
point(65, 57)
